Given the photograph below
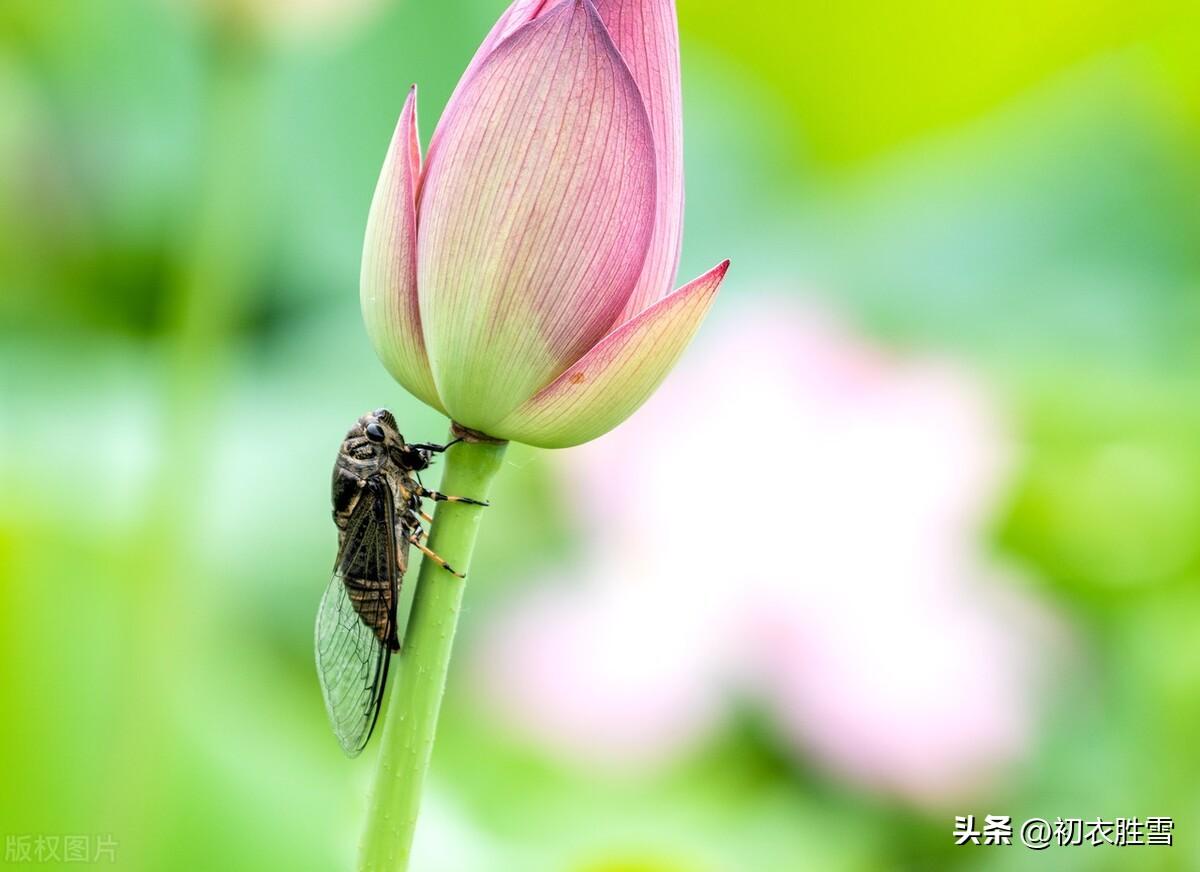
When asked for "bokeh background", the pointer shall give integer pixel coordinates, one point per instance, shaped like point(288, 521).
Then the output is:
point(910, 534)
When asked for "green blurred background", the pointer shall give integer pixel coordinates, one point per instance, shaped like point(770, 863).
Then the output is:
point(1013, 187)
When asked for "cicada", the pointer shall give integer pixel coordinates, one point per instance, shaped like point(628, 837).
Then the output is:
point(377, 507)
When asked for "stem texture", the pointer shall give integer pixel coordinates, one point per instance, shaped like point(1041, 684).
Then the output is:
point(419, 671)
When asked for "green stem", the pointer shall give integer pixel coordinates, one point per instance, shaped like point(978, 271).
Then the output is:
point(419, 671)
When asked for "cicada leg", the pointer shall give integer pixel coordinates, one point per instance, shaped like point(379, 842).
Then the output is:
point(435, 447)
point(416, 540)
point(440, 497)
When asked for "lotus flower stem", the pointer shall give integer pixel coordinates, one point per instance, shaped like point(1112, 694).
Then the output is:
point(421, 668)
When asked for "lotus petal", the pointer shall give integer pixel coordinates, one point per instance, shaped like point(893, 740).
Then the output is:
point(536, 212)
point(612, 380)
point(646, 33)
point(388, 283)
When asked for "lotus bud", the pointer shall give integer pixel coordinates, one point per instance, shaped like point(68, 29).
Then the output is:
point(519, 281)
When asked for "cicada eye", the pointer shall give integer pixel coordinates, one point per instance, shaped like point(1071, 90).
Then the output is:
point(374, 431)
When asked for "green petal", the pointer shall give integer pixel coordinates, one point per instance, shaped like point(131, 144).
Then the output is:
point(610, 382)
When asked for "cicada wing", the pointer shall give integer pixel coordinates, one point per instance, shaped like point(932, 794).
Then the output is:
point(356, 620)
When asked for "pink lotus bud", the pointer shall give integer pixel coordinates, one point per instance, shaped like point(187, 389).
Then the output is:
point(519, 281)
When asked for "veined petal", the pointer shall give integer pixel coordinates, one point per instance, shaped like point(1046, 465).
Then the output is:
point(388, 282)
point(535, 214)
point(611, 381)
point(520, 13)
point(646, 33)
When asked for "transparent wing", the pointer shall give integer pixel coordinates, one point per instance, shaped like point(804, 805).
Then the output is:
point(356, 620)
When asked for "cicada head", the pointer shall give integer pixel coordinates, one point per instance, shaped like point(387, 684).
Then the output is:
point(371, 438)
point(386, 419)
point(380, 429)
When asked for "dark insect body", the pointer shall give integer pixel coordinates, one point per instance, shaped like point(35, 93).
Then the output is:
point(377, 494)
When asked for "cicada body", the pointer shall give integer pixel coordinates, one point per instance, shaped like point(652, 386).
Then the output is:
point(377, 496)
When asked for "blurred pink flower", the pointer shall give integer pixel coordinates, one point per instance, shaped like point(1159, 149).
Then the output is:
point(797, 519)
